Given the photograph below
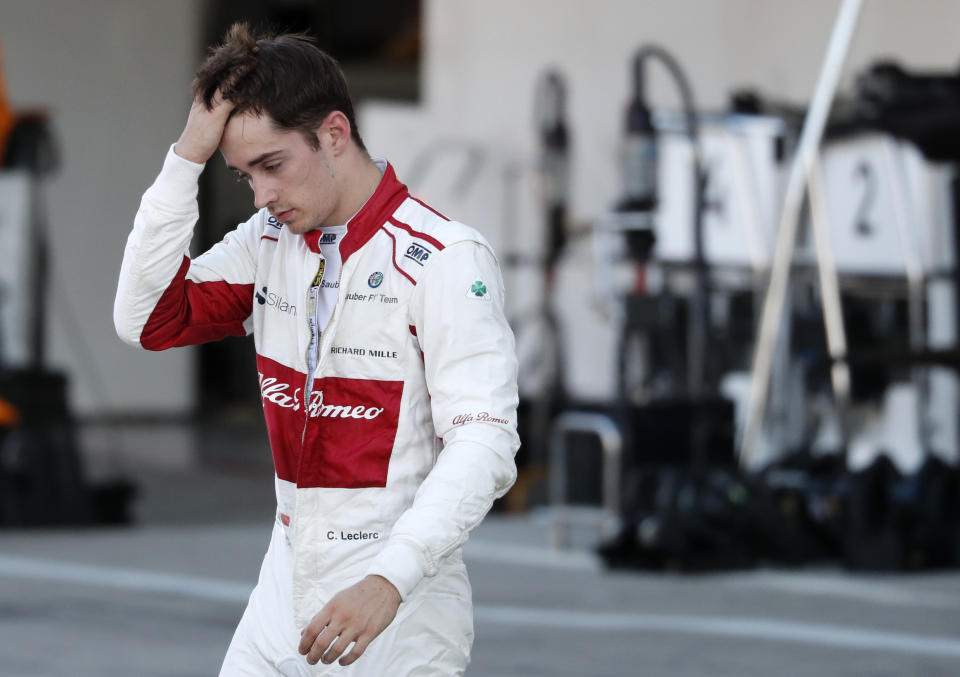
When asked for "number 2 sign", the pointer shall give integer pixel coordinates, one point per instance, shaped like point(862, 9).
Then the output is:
point(866, 194)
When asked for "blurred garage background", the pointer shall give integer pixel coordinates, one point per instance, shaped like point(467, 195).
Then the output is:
point(729, 235)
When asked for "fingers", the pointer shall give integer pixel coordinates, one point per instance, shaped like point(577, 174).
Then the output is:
point(328, 640)
point(330, 644)
point(337, 648)
point(356, 615)
point(316, 648)
point(220, 107)
point(323, 634)
point(204, 129)
point(359, 646)
point(312, 632)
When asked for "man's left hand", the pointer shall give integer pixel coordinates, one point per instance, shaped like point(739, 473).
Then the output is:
point(357, 614)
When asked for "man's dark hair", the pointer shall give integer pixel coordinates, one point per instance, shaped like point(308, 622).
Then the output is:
point(285, 76)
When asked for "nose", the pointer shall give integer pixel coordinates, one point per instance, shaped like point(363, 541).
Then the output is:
point(264, 193)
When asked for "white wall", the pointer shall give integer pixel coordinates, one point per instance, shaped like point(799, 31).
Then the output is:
point(114, 74)
point(483, 59)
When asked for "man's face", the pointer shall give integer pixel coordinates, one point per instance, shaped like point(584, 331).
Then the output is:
point(291, 179)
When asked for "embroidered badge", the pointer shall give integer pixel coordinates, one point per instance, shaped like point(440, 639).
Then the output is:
point(478, 291)
point(375, 280)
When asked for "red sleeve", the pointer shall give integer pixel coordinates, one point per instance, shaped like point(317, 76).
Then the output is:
point(197, 312)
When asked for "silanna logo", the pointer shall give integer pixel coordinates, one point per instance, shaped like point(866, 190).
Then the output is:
point(417, 253)
point(276, 301)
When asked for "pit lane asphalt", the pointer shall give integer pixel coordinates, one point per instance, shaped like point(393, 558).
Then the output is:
point(162, 598)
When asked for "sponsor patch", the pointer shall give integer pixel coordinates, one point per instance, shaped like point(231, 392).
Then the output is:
point(265, 297)
point(478, 291)
point(371, 298)
point(417, 253)
point(363, 352)
point(351, 425)
point(482, 417)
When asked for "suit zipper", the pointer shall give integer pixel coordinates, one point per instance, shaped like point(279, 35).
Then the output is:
point(316, 338)
point(313, 348)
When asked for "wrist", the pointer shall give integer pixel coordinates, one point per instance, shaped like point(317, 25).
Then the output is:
point(401, 563)
point(386, 585)
point(187, 153)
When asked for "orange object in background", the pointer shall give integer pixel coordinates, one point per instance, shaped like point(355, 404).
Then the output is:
point(9, 416)
point(7, 116)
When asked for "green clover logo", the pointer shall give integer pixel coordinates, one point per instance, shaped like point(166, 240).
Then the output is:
point(478, 288)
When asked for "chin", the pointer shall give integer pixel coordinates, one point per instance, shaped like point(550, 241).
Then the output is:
point(297, 228)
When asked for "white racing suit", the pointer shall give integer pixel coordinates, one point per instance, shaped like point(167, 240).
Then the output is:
point(392, 428)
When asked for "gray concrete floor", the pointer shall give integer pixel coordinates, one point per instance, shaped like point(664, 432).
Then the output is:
point(162, 597)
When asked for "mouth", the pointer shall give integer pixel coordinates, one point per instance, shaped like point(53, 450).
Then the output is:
point(284, 217)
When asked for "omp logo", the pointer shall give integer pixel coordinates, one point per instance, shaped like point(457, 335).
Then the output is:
point(265, 297)
point(418, 253)
point(272, 221)
point(328, 238)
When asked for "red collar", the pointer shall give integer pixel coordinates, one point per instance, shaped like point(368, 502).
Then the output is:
point(384, 201)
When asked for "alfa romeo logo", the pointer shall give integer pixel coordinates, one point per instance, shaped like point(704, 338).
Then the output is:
point(375, 280)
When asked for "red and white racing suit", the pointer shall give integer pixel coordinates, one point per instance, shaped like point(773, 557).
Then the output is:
point(393, 427)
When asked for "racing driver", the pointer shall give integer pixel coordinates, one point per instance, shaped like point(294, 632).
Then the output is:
point(386, 367)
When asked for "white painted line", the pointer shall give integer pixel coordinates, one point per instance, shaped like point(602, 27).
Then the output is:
point(821, 585)
point(526, 555)
point(123, 579)
point(816, 634)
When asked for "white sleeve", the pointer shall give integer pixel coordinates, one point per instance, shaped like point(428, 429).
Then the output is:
point(162, 300)
point(471, 374)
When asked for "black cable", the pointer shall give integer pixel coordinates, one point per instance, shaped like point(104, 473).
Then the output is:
point(697, 331)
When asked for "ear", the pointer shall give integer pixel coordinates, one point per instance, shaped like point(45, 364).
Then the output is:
point(336, 128)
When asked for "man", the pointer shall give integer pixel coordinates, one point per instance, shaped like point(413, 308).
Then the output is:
point(387, 370)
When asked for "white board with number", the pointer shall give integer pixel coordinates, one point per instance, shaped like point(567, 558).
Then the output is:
point(15, 272)
point(887, 207)
point(742, 196)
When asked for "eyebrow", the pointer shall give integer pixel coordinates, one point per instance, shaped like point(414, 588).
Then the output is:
point(257, 160)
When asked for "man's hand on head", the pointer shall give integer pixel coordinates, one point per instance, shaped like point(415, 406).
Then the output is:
point(357, 614)
point(204, 129)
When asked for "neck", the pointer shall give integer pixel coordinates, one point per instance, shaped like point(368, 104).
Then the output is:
point(358, 179)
